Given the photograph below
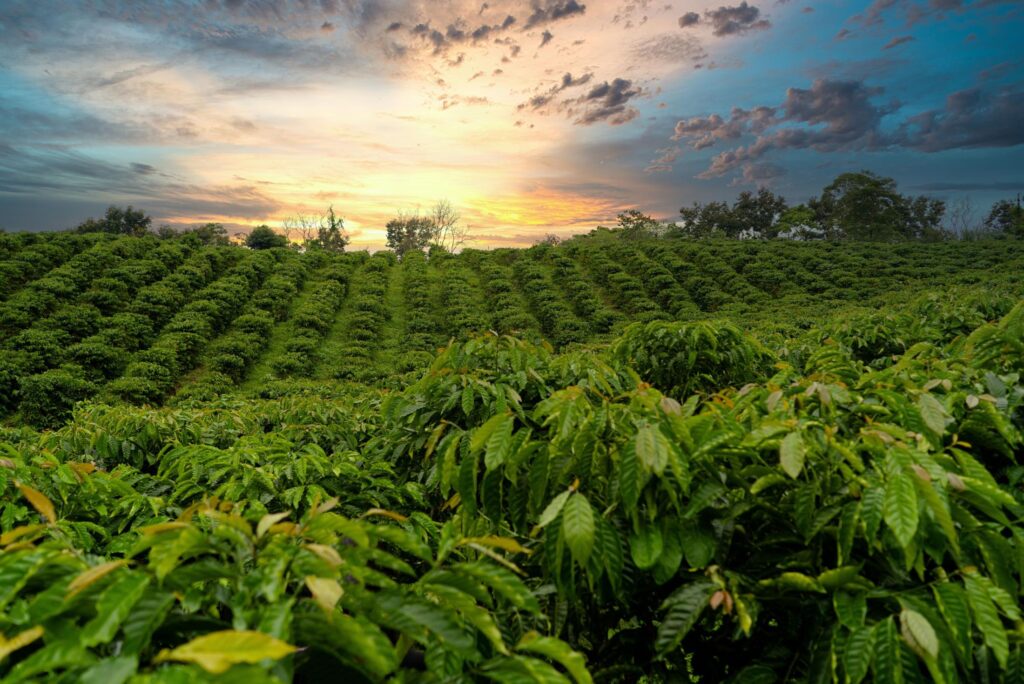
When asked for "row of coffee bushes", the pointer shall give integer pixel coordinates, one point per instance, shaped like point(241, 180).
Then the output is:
point(457, 297)
point(230, 356)
point(153, 372)
point(47, 374)
point(63, 284)
point(660, 283)
point(702, 290)
point(582, 296)
point(359, 335)
point(27, 256)
point(417, 290)
point(313, 320)
point(627, 291)
point(507, 308)
point(557, 321)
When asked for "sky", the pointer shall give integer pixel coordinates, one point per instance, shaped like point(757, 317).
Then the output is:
point(530, 117)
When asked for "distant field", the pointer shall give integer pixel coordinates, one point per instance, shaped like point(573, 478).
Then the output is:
point(605, 461)
point(146, 321)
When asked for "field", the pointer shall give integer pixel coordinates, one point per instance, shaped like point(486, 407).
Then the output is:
point(659, 460)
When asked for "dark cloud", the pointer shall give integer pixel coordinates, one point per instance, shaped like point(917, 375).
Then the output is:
point(542, 100)
point(729, 21)
point(972, 118)
point(833, 116)
point(546, 37)
point(689, 19)
point(144, 169)
point(608, 102)
point(552, 10)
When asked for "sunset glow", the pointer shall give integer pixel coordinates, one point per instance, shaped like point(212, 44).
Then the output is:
point(547, 116)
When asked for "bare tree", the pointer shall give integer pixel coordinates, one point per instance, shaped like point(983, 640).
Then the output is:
point(960, 218)
point(301, 226)
point(446, 231)
point(548, 239)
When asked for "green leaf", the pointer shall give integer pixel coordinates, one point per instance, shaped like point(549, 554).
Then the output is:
point(987, 618)
point(645, 546)
point(560, 652)
point(629, 476)
point(698, 544)
point(858, 654)
point(578, 527)
point(499, 444)
point(901, 513)
point(111, 671)
point(888, 661)
point(113, 606)
point(553, 509)
point(955, 611)
point(146, 615)
point(684, 606)
point(503, 582)
point(218, 651)
point(851, 608)
point(792, 454)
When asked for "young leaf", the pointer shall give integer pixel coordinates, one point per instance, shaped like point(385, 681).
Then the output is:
point(216, 652)
point(792, 453)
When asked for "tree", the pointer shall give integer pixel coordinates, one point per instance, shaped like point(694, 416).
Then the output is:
point(706, 220)
point(301, 226)
point(445, 230)
point(264, 237)
point(121, 221)
point(331, 236)
point(1007, 218)
point(549, 239)
point(407, 232)
point(207, 234)
point(635, 224)
point(860, 206)
point(758, 213)
point(922, 218)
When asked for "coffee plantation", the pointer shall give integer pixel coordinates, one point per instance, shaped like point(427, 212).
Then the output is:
point(654, 460)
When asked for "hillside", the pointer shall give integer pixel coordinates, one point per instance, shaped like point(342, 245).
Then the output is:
point(147, 321)
point(669, 461)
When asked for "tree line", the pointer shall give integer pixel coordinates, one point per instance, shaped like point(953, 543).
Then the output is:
point(854, 206)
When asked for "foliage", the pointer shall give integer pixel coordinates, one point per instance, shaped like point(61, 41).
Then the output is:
point(264, 237)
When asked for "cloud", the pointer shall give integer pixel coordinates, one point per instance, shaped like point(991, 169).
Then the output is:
point(833, 116)
point(900, 40)
point(665, 160)
point(551, 11)
point(758, 174)
point(608, 102)
point(542, 100)
point(971, 118)
point(670, 48)
point(917, 11)
point(728, 21)
point(144, 169)
point(546, 38)
point(689, 19)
